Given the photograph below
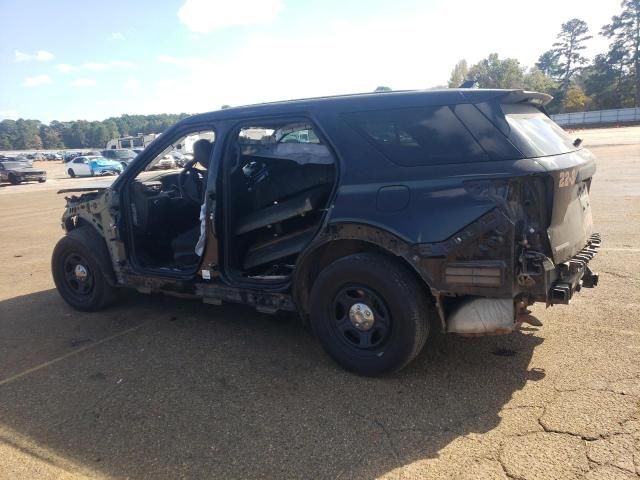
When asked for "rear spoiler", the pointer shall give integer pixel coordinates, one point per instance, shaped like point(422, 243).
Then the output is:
point(523, 96)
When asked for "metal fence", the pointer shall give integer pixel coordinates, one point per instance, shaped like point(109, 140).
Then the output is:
point(618, 115)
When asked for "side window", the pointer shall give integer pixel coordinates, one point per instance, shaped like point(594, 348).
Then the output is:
point(287, 142)
point(79, 160)
point(418, 136)
point(288, 133)
point(278, 159)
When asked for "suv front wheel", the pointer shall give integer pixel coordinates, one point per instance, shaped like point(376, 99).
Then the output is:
point(79, 264)
point(370, 313)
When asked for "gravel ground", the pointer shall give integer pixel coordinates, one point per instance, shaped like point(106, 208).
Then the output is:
point(161, 388)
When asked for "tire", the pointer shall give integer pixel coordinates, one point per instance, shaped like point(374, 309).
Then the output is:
point(42, 180)
point(13, 179)
point(71, 173)
point(81, 269)
point(394, 299)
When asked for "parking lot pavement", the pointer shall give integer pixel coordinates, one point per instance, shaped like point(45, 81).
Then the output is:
point(161, 388)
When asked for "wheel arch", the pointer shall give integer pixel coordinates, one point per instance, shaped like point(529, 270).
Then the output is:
point(342, 240)
point(84, 232)
point(73, 222)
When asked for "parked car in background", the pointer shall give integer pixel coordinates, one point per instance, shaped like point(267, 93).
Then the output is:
point(167, 162)
point(36, 156)
point(68, 156)
point(121, 155)
point(181, 158)
point(17, 172)
point(84, 166)
point(24, 159)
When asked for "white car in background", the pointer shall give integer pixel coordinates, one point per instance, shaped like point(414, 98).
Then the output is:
point(91, 166)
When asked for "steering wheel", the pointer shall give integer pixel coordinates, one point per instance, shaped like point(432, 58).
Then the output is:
point(191, 183)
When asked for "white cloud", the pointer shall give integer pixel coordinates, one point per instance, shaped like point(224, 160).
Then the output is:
point(399, 48)
point(40, 56)
point(123, 64)
point(204, 16)
point(8, 114)
point(37, 81)
point(83, 82)
point(65, 67)
point(94, 66)
point(191, 62)
point(116, 36)
point(402, 58)
point(131, 84)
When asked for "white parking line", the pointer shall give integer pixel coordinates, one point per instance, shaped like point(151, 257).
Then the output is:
point(66, 355)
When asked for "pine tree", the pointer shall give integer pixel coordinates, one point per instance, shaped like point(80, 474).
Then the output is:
point(568, 50)
point(624, 30)
point(458, 74)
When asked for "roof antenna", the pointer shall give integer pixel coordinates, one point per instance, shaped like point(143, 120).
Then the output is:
point(469, 84)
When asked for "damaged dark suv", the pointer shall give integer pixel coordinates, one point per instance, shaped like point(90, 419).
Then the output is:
point(377, 217)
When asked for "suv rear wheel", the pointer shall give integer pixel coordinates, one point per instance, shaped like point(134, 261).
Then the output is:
point(79, 264)
point(370, 313)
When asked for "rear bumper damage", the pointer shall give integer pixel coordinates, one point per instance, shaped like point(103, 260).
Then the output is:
point(575, 273)
point(496, 316)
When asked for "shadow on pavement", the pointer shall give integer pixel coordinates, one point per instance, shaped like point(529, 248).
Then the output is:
point(200, 391)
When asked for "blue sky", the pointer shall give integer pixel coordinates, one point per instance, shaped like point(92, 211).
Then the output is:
point(79, 59)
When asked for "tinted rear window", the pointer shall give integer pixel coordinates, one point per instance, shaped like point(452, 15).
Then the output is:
point(418, 136)
point(535, 134)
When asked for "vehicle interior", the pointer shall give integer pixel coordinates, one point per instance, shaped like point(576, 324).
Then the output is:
point(165, 207)
point(279, 177)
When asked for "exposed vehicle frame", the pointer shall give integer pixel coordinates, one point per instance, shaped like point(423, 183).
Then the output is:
point(464, 244)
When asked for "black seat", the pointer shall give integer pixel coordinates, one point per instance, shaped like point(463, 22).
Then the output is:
point(278, 248)
point(292, 207)
point(184, 244)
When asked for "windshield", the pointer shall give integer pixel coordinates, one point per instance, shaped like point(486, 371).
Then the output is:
point(535, 134)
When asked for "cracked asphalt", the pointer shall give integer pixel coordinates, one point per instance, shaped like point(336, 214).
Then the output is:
point(161, 388)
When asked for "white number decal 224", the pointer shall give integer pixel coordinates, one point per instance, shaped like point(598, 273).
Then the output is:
point(568, 178)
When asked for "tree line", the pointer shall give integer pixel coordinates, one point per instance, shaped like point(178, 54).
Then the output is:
point(34, 135)
point(610, 80)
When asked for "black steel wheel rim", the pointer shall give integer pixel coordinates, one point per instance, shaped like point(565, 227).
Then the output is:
point(78, 276)
point(361, 337)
